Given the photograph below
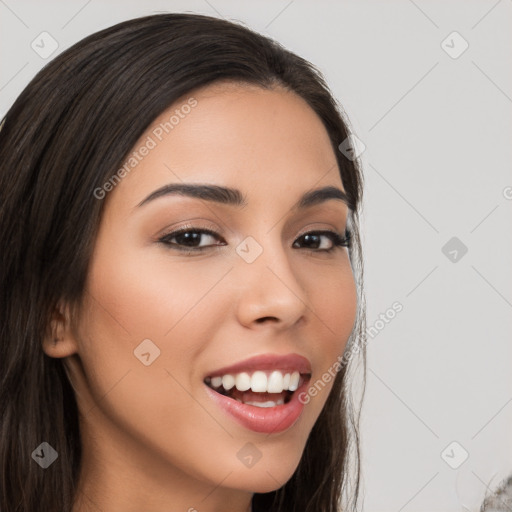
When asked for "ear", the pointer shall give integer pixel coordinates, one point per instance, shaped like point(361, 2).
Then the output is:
point(60, 340)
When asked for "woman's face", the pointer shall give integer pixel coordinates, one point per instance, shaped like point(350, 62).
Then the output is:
point(165, 314)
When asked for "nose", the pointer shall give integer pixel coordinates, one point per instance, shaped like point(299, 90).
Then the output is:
point(269, 289)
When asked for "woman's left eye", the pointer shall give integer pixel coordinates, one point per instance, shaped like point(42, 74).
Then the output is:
point(189, 239)
point(325, 241)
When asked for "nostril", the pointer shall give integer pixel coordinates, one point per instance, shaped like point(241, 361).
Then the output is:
point(263, 319)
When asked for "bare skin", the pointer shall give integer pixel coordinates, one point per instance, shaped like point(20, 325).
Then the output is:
point(152, 438)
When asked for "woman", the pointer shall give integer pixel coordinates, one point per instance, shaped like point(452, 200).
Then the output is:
point(181, 278)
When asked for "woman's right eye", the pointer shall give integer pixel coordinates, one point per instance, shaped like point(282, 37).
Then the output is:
point(190, 239)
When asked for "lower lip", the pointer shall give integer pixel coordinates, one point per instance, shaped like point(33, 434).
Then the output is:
point(268, 420)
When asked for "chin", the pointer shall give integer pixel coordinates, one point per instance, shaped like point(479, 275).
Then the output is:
point(266, 475)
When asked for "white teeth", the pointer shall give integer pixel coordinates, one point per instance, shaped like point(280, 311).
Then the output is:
point(243, 381)
point(275, 382)
point(259, 382)
point(228, 381)
point(216, 382)
point(265, 404)
point(294, 381)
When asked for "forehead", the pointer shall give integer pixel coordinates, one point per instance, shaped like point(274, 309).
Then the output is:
point(260, 140)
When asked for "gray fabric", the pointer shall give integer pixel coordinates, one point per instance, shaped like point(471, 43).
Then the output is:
point(500, 500)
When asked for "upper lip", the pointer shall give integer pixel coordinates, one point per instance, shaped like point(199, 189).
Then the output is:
point(291, 362)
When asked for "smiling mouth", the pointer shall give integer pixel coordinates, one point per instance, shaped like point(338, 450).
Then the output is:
point(259, 388)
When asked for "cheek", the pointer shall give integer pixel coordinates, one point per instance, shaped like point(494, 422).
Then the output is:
point(139, 298)
point(333, 296)
point(131, 302)
point(178, 311)
point(334, 304)
point(175, 305)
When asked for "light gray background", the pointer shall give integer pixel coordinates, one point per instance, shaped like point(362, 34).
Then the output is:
point(437, 162)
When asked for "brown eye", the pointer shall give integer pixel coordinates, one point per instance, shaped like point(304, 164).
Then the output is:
point(324, 241)
point(190, 238)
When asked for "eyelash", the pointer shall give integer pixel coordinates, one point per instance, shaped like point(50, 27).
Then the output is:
point(336, 239)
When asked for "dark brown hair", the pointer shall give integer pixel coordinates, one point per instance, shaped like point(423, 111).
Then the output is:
point(66, 134)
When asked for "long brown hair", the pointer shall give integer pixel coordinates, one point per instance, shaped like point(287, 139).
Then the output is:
point(66, 134)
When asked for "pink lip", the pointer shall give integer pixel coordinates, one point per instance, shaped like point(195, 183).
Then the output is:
point(291, 362)
point(271, 420)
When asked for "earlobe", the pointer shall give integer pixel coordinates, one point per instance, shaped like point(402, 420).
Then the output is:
point(59, 340)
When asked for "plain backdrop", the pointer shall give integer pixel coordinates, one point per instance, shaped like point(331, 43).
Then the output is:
point(427, 86)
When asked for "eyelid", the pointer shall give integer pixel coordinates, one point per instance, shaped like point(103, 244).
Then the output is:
point(314, 228)
point(191, 225)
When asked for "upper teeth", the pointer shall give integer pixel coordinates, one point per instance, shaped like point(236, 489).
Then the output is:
point(259, 381)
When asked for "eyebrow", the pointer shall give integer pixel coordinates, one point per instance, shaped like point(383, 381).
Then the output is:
point(233, 196)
